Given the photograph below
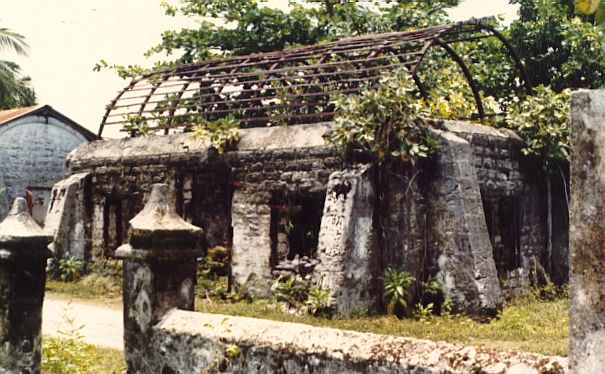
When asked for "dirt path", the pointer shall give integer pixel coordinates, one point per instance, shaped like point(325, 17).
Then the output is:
point(98, 325)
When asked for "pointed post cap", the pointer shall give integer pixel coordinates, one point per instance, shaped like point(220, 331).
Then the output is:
point(21, 236)
point(159, 232)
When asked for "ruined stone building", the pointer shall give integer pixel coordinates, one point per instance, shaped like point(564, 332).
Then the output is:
point(34, 142)
point(283, 199)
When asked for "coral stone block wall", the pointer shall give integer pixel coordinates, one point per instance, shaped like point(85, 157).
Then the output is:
point(472, 217)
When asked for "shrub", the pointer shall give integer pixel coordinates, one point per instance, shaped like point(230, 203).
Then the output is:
point(292, 289)
point(397, 284)
point(318, 301)
point(70, 269)
point(386, 121)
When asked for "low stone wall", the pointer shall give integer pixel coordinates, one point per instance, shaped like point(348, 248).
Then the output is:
point(188, 342)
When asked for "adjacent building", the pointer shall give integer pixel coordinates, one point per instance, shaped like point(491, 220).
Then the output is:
point(34, 142)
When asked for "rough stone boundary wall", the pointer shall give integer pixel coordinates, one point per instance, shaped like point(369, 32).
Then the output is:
point(189, 342)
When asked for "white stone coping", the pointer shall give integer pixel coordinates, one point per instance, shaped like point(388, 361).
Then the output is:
point(403, 353)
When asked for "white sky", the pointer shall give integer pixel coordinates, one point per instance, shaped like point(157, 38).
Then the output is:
point(68, 37)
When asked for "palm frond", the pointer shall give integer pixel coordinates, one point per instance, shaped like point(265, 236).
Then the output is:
point(13, 40)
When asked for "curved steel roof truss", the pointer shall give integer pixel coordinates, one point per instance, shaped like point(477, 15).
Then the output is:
point(292, 86)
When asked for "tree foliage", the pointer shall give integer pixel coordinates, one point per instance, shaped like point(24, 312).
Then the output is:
point(15, 89)
point(543, 121)
point(228, 27)
point(559, 48)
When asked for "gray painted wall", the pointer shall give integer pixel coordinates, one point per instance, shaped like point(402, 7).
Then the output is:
point(32, 154)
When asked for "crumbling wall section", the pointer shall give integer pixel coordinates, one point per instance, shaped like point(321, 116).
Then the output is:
point(69, 219)
point(266, 173)
point(123, 171)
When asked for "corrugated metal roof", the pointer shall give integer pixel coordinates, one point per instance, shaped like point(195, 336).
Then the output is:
point(10, 114)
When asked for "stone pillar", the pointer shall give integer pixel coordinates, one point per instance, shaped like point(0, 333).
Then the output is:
point(587, 233)
point(23, 255)
point(251, 250)
point(347, 245)
point(459, 233)
point(159, 273)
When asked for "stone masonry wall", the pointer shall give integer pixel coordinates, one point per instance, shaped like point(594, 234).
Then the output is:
point(244, 198)
point(33, 151)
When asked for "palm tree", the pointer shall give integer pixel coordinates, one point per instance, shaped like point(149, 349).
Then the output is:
point(12, 40)
point(15, 90)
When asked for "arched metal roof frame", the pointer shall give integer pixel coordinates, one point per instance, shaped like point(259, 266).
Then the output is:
point(253, 87)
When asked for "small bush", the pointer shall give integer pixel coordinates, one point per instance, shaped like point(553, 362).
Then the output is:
point(318, 301)
point(70, 269)
point(397, 284)
point(73, 356)
point(292, 289)
point(67, 356)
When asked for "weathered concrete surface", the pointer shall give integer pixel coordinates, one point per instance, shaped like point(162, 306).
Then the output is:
point(284, 137)
point(587, 233)
point(68, 217)
point(171, 148)
point(459, 233)
point(159, 272)
point(187, 342)
point(23, 255)
point(347, 244)
point(496, 154)
point(251, 251)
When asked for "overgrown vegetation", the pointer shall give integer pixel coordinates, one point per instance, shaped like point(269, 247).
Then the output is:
point(397, 293)
point(101, 280)
point(70, 355)
point(543, 121)
point(300, 295)
point(528, 323)
point(535, 322)
point(386, 121)
point(222, 133)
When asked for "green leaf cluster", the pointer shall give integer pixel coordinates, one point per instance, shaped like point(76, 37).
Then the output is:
point(559, 48)
point(542, 120)
point(386, 121)
point(15, 89)
point(299, 293)
point(239, 27)
point(397, 289)
point(222, 133)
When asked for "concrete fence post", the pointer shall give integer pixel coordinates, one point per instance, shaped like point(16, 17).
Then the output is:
point(159, 272)
point(587, 233)
point(23, 255)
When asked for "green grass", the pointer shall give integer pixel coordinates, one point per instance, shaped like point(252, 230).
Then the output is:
point(92, 287)
point(72, 356)
point(526, 324)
